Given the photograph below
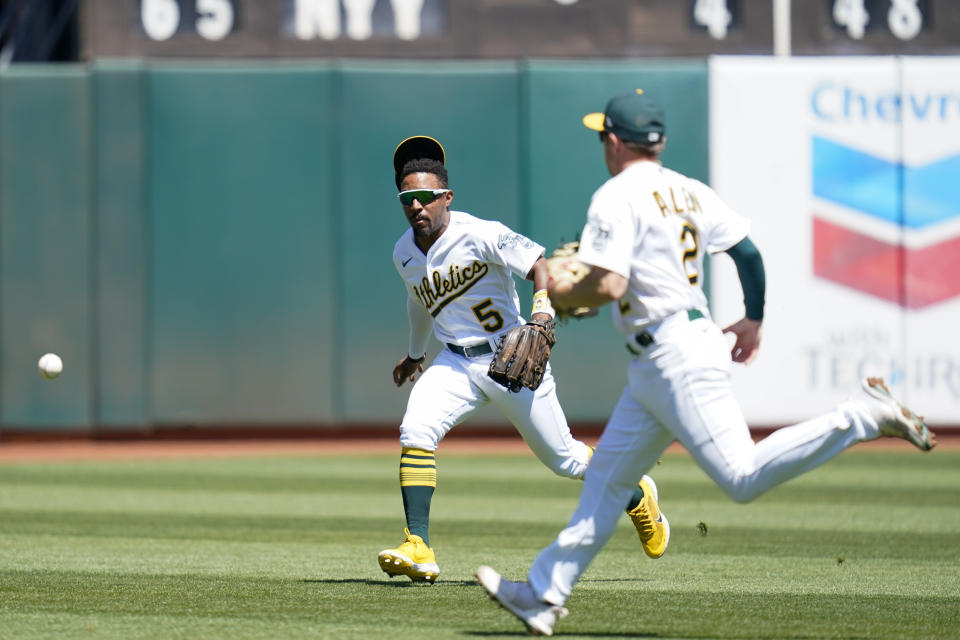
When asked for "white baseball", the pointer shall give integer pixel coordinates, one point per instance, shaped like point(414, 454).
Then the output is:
point(50, 365)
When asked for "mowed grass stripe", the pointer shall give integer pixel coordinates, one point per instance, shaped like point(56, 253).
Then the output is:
point(863, 547)
point(806, 542)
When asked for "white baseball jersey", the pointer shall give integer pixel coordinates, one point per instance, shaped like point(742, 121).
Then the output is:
point(651, 225)
point(465, 279)
point(465, 284)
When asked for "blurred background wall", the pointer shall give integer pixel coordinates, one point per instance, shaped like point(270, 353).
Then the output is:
point(197, 206)
point(213, 244)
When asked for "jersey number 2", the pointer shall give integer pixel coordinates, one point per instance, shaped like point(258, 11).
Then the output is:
point(490, 320)
point(691, 249)
point(691, 246)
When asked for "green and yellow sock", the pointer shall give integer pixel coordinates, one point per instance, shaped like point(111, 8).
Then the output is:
point(635, 499)
point(418, 479)
point(637, 493)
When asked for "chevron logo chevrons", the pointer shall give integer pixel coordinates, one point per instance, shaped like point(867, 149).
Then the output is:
point(886, 229)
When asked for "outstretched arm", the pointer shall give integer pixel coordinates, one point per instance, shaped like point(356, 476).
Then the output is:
point(597, 288)
point(749, 265)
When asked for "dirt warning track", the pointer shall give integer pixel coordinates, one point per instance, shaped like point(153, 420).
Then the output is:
point(81, 449)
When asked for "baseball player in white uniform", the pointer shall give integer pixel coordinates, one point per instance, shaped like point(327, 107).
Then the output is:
point(458, 271)
point(645, 236)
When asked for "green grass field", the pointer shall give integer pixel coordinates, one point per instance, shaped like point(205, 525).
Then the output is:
point(867, 546)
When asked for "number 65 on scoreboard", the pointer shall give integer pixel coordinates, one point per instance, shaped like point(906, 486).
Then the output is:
point(212, 19)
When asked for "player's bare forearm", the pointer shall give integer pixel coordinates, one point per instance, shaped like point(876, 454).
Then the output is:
point(406, 369)
point(539, 274)
point(598, 288)
point(748, 334)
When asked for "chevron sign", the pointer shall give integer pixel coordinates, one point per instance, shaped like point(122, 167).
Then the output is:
point(885, 228)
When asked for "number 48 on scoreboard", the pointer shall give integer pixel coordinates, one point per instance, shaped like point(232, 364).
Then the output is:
point(904, 18)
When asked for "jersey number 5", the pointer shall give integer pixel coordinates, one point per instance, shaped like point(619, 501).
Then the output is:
point(490, 320)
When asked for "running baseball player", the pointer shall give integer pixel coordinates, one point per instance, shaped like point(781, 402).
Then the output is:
point(458, 272)
point(645, 235)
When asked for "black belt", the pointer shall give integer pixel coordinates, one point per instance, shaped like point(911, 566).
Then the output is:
point(471, 352)
point(644, 339)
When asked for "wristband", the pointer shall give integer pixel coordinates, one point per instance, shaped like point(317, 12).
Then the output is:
point(420, 359)
point(541, 303)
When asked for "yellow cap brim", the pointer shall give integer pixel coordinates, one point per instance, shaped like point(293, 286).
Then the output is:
point(594, 121)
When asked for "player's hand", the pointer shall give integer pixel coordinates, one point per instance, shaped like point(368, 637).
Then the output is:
point(558, 290)
point(748, 339)
point(407, 369)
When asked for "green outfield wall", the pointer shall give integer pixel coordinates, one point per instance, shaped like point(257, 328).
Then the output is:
point(210, 244)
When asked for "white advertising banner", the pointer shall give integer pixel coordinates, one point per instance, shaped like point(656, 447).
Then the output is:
point(849, 169)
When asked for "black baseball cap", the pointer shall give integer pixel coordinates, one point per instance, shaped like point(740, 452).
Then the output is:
point(631, 116)
point(416, 147)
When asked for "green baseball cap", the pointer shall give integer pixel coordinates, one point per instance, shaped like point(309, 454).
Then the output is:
point(631, 116)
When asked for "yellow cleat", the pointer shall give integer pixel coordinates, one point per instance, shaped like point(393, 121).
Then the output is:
point(413, 559)
point(651, 524)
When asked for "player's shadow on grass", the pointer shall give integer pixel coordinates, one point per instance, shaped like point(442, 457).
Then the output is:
point(390, 583)
point(579, 634)
point(632, 634)
point(616, 580)
point(386, 582)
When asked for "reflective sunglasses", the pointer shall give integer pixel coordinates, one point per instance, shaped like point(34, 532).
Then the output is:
point(423, 196)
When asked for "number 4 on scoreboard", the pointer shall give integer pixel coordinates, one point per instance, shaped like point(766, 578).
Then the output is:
point(714, 15)
point(853, 15)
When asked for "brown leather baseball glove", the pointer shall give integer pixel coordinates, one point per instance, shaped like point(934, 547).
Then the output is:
point(521, 357)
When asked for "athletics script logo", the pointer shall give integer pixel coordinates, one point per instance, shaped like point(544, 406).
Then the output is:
point(886, 227)
point(437, 291)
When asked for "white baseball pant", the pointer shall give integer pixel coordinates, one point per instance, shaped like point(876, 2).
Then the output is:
point(679, 388)
point(453, 387)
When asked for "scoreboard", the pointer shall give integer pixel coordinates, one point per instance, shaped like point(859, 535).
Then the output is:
point(514, 28)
